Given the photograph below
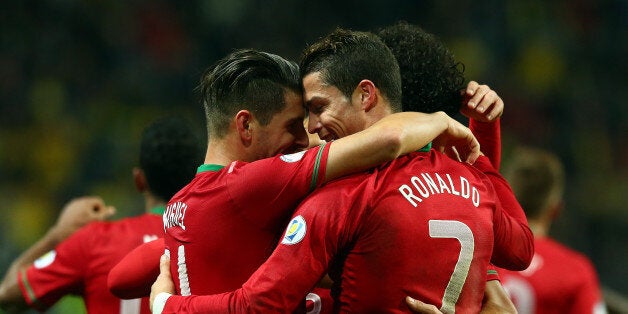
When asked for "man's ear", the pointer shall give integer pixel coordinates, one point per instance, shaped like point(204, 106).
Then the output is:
point(243, 120)
point(366, 94)
point(140, 179)
point(556, 210)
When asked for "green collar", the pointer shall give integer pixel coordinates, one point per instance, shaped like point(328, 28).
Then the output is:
point(209, 167)
point(158, 210)
point(426, 148)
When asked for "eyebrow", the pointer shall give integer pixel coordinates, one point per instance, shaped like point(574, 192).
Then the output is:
point(315, 99)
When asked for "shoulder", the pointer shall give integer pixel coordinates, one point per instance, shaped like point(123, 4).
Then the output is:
point(568, 256)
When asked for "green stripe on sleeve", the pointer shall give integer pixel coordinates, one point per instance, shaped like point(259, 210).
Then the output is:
point(317, 165)
point(491, 272)
point(29, 290)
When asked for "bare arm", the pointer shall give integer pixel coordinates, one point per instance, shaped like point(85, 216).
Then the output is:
point(396, 135)
point(74, 215)
point(496, 299)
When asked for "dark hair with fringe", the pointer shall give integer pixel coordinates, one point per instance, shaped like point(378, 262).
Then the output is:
point(346, 57)
point(246, 79)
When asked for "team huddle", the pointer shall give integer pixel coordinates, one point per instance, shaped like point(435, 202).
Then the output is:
point(395, 208)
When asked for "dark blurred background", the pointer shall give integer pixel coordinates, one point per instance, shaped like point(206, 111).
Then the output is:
point(79, 80)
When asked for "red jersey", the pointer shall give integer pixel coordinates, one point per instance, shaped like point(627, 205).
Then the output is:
point(559, 280)
point(223, 225)
point(80, 264)
point(422, 225)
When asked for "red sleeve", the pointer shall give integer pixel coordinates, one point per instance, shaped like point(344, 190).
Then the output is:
point(514, 242)
point(491, 273)
point(134, 275)
point(298, 263)
point(57, 273)
point(504, 192)
point(277, 183)
point(489, 136)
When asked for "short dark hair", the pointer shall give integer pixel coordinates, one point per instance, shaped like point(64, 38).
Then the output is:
point(431, 79)
point(246, 79)
point(346, 57)
point(537, 179)
point(170, 152)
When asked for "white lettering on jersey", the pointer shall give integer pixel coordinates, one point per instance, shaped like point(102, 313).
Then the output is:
point(175, 215)
point(427, 185)
point(295, 232)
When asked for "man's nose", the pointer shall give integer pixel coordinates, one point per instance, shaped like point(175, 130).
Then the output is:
point(313, 124)
point(301, 139)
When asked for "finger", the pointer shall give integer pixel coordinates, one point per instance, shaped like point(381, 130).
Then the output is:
point(419, 307)
point(471, 88)
point(452, 153)
point(109, 212)
point(164, 265)
point(489, 100)
point(474, 153)
point(496, 111)
point(478, 95)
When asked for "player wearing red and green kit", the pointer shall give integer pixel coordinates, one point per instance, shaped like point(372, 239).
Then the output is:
point(559, 280)
point(79, 260)
point(226, 221)
point(80, 264)
point(339, 109)
point(422, 225)
point(223, 225)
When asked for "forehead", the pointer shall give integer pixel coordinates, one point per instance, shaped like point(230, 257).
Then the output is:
point(314, 89)
point(293, 108)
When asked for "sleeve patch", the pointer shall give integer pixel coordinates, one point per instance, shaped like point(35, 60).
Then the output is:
point(292, 157)
point(295, 232)
point(45, 260)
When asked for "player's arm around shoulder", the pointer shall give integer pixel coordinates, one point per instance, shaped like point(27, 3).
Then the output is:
point(396, 135)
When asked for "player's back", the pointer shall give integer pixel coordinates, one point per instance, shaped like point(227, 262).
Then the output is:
point(111, 242)
point(424, 230)
point(559, 280)
point(81, 263)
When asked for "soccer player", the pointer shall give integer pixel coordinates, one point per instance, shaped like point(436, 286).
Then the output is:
point(168, 156)
point(372, 230)
point(559, 279)
point(226, 222)
point(431, 81)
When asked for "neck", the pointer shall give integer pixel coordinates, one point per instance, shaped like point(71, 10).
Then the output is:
point(150, 201)
point(377, 113)
point(223, 151)
point(539, 228)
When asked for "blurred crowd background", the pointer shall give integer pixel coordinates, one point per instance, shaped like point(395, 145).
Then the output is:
point(79, 80)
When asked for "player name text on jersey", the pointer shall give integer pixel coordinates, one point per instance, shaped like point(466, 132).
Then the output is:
point(174, 215)
point(426, 185)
